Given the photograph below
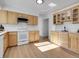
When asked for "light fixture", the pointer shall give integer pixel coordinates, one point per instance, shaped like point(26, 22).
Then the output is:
point(52, 4)
point(39, 1)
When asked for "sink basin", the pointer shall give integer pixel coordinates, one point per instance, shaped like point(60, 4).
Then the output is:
point(64, 31)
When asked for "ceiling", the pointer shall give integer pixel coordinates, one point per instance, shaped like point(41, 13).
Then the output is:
point(32, 6)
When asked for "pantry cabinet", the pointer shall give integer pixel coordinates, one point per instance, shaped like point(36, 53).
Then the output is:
point(5, 42)
point(3, 17)
point(12, 38)
point(12, 17)
point(34, 36)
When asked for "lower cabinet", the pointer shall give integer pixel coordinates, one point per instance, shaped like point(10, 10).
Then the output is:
point(60, 38)
point(66, 40)
point(34, 36)
point(63, 39)
point(54, 37)
point(73, 42)
point(12, 38)
point(5, 42)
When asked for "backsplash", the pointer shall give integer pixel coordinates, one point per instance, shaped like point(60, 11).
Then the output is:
point(70, 27)
point(20, 26)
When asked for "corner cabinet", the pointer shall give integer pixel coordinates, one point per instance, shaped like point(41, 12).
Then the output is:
point(12, 17)
point(34, 36)
point(3, 17)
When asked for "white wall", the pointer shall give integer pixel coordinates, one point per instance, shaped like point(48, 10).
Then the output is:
point(51, 25)
point(70, 27)
point(19, 27)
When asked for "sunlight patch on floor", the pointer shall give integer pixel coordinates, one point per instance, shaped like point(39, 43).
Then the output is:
point(45, 46)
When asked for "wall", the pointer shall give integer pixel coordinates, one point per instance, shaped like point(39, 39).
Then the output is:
point(70, 27)
point(51, 25)
point(20, 27)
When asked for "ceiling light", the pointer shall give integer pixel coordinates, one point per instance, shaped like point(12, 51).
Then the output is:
point(39, 1)
point(52, 5)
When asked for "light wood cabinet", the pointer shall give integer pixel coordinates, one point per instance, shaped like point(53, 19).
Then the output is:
point(5, 45)
point(3, 17)
point(32, 20)
point(12, 17)
point(73, 42)
point(75, 14)
point(60, 38)
point(34, 36)
point(12, 38)
point(35, 20)
point(57, 19)
point(21, 15)
point(55, 37)
point(63, 39)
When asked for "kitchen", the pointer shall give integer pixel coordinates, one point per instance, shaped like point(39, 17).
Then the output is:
point(39, 30)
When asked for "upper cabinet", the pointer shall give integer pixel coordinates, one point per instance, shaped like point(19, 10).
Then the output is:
point(9, 17)
point(12, 17)
point(3, 17)
point(69, 15)
point(32, 20)
point(21, 15)
point(57, 19)
point(75, 14)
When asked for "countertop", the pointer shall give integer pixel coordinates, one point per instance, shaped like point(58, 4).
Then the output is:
point(2, 32)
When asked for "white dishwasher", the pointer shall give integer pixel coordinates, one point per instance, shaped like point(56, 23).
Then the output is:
point(22, 37)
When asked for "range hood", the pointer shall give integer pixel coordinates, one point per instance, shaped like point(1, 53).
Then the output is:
point(22, 20)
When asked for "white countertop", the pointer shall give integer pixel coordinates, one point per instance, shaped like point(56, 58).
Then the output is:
point(2, 32)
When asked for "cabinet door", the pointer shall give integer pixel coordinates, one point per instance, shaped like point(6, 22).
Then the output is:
point(31, 36)
point(12, 17)
point(12, 38)
point(63, 39)
point(5, 45)
point(75, 14)
point(3, 17)
point(73, 41)
point(54, 37)
point(37, 37)
point(31, 20)
point(35, 20)
point(20, 15)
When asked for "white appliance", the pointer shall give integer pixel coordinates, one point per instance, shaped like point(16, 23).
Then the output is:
point(22, 37)
point(1, 46)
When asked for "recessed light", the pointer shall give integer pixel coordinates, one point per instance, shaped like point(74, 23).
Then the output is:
point(52, 4)
point(39, 1)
